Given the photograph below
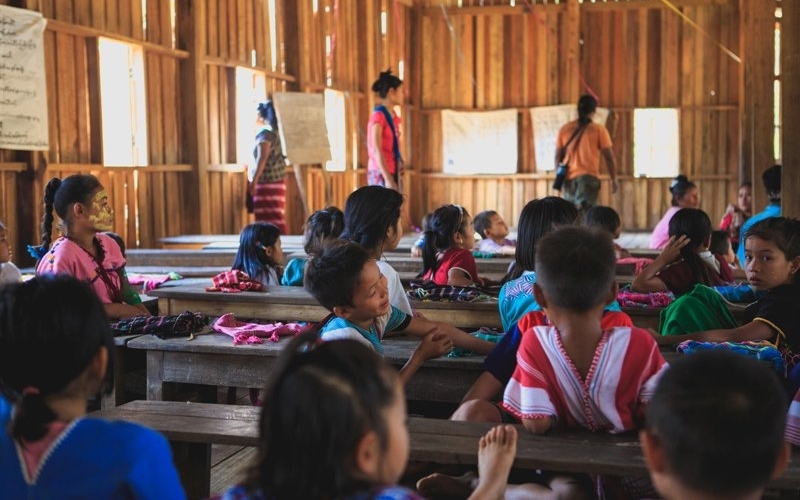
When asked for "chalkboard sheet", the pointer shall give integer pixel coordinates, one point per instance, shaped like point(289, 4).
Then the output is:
point(301, 122)
point(546, 121)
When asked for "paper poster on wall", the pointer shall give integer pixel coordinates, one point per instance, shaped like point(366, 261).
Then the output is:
point(546, 122)
point(301, 119)
point(23, 91)
point(479, 142)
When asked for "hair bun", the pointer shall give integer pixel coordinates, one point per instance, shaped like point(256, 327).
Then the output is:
point(681, 179)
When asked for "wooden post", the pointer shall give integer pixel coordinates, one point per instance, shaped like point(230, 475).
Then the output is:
point(790, 86)
point(756, 108)
point(572, 63)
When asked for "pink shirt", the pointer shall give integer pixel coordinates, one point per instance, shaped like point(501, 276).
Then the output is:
point(660, 235)
point(387, 140)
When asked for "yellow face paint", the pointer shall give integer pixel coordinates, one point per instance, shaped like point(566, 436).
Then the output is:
point(101, 215)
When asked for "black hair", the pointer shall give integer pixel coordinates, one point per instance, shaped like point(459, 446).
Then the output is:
point(320, 399)
point(61, 195)
point(784, 232)
point(266, 111)
point(720, 418)
point(332, 275)
point(483, 221)
point(679, 186)
point(695, 224)
point(51, 327)
point(385, 82)
point(587, 104)
point(369, 212)
point(445, 222)
point(772, 183)
point(576, 267)
point(120, 242)
point(538, 217)
point(602, 217)
point(321, 226)
point(251, 256)
point(720, 242)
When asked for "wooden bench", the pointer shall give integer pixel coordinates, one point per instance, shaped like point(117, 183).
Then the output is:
point(193, 427)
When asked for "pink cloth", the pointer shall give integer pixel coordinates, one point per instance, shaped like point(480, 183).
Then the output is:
point(151, 281)
point(253, 333)
point(660, 234)
point(67, 257)
point(639, 263)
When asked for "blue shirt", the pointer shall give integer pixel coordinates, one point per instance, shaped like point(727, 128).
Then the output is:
point(341, 328)
point(772, 210)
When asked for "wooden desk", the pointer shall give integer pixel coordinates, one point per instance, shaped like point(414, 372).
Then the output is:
point(124, 360)
point(292, 303)
point(213, 360)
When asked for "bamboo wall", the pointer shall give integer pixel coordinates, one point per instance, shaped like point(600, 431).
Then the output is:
point(633, 54)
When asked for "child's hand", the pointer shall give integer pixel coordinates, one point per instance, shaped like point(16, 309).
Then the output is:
point(672, 250)
point(435, 344)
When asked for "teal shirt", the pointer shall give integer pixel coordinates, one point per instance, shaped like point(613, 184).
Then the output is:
point(294, 272)
point(341, 328)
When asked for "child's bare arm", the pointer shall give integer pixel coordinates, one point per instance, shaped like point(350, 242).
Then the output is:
point(435, 344)
point(538, 425)
point(486, 387)
point(755, 330)
point(647, 281)
point(458, 277)
point(419, 327)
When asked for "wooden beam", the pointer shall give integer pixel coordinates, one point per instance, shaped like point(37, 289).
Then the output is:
point(522, 8)
point(16, 166)
point(85, 31)
point(790, 72)
point(217, 61)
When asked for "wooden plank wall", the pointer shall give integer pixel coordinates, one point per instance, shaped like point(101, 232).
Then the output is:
point(632, 54)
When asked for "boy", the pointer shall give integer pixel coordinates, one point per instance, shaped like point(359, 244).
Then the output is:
point(8, 271)
point(346, 281)
point(606, 218)
point(493, 232)
point(715, 428)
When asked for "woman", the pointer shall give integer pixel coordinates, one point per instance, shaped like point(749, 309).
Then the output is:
point(684, 195)
point(385, 166)
point(266, 182)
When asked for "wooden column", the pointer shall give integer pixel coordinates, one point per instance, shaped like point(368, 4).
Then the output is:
point(571, 67)
point(790, 73)
point(757, 50)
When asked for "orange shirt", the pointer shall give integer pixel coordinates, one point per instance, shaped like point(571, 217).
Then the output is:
point(585, 158)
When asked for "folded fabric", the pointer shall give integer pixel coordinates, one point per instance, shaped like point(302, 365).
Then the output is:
point(234, 281)
point(484, 333)
point(698, 310)
point(429, 291)
point(180, 325)
point(254, 333)
point(151, 281)
point(639, 263)
point(627, 298)
point(759, 349)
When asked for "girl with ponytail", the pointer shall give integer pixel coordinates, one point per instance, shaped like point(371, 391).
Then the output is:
point(385, 166)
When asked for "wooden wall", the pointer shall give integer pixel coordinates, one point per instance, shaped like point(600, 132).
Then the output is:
point(484, 55)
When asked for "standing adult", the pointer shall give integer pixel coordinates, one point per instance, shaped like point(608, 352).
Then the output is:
point(584, 142)
point(684, 195)
point(772, 185)
point(266, 179)
point(385, 166)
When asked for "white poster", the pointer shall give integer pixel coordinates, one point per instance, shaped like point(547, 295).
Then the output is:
point(301, 122)
point(480, 142)
point(23, 91)
point(547, 120)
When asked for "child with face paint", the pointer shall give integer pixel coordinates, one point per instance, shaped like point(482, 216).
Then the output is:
point(84, 251)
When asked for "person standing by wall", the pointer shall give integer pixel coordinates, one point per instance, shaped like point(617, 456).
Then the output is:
point(266, 179)
point(584, 141)
point(385, 166)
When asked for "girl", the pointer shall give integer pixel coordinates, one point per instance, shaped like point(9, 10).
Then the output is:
point(260, 254)
point(85, 251)
point(684, 195)
point(607, 219)
point(56, 351)
point(385, 166)
point(321, 226)
point(686, 260)
point(372, 219)
point(333, 425)
point(736, 215)
point(772, 258)
point(266, 184)
point(447, 254)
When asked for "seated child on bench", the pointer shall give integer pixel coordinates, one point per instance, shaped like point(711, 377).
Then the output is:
point(494, 234)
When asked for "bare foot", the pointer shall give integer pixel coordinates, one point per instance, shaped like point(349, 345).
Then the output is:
point(442, 485)
point(496, 452)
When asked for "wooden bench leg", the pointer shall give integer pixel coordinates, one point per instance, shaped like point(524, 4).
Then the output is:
point(193, 461)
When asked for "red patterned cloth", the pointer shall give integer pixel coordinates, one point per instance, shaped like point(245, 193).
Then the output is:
point(234, 281)
point(254, 333)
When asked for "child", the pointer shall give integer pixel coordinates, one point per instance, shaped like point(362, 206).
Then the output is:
point(715, 428)
point(334, 426)
point(8, 271)
point(85, 251)
point(686, 259)
point(447, 255)
point(372, 219)
point(493, 231)
point(606, 218)
point(321, 226)
point(720, 244)
point(346, 281)
point(260, 254)
point(56, 351)
point(772, 258)
point(736, 215)
point(419, 244)
point(772, 185)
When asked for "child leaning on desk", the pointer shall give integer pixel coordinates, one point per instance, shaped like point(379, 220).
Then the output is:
point(345, 279)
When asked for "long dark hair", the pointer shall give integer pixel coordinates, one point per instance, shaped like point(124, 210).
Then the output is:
point(696, 225)
point(587, 104)
point(251, 256)
point(369, 212)
point(320, 399)
point(322, 225)
point(445, 222)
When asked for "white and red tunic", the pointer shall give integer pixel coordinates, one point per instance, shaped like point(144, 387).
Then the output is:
point(626, 367)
